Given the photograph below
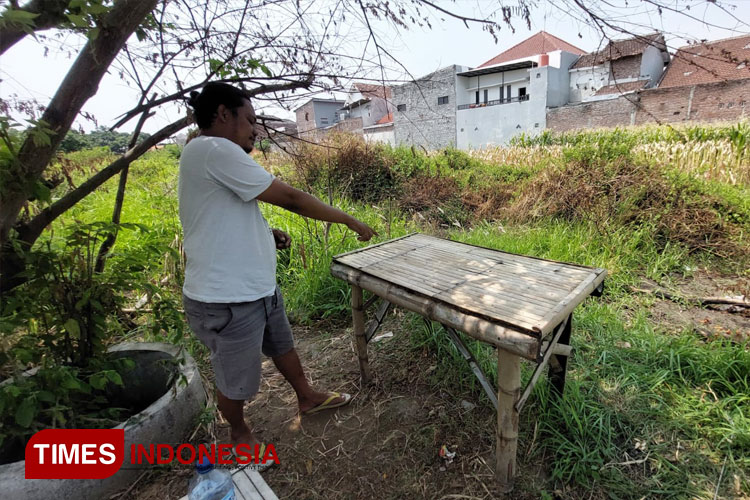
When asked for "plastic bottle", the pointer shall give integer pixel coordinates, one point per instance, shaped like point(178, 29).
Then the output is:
point(209, 483)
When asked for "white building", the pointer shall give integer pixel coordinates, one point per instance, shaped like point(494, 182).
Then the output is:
point(509, 94)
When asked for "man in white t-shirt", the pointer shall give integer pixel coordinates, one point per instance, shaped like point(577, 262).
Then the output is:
point(230, 295)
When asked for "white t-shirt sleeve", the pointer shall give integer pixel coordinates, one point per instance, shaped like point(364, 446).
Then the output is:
point(238, 172)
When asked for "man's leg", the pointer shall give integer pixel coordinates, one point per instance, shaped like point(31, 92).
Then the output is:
point(232, 409)
point(290, 367)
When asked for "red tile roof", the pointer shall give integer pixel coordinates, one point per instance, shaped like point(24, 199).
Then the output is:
point(709, 62)
point(617, 49)
point(540, 43)
point(386, 119)
point(368, 90)
point(621, 88)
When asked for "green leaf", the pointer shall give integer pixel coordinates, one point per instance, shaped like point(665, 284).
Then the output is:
point(114, 377)
point(70, 383)
point(93, 33)
point(20, 18)
point(26, 412)
point(98, 381)
point(45, 396)
point(78, 20)
point(73, 328)
point(41, 192)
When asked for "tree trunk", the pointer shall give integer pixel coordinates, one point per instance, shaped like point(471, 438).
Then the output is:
point(79, 85)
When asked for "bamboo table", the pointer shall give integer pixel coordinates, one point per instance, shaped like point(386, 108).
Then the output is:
point(521, 305)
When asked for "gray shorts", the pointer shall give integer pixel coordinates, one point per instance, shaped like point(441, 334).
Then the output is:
point(236, 334)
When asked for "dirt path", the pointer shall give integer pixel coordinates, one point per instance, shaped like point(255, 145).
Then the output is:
point(385, 443)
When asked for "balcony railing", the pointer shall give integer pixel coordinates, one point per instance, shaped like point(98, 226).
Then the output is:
point(495, 102)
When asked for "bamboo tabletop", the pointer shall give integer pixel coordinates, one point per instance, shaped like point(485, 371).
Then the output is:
point(528, 294)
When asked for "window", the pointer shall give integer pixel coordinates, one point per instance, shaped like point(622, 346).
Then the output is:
point(477, 98)
point(401, 107)
point(324, 120)
point(486, 97)
point(443, 100)
point(307, 117)
point(507, 92)
point(522, 94)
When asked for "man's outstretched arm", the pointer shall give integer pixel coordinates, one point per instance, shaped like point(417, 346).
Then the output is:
point(285, 196)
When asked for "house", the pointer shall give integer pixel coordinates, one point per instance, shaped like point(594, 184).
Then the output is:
point(509, 94)
point(366, 111)
point(503, 97)
point(316, 114)
point(703, 82)
point(368, 102)
point(425, 114)
point(621, 66)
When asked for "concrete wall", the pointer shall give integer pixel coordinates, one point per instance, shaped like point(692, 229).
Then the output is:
point(495, 125)
point(652, 65)
point(424, 122)
point(584, 82)
point(381, 133)
point(325, 113)
point(558, 79)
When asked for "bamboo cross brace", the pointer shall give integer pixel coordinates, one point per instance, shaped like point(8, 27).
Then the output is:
point(377, 321)
point(540, 366)
point(491, 392)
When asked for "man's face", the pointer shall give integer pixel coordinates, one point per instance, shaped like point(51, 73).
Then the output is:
point(242, 127)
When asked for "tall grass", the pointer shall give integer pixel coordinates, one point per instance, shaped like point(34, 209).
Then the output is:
point(646, 413)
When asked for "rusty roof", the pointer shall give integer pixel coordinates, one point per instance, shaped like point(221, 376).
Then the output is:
point(540, 43)
point(370, 90)
point(709, 62)
point(617, 49)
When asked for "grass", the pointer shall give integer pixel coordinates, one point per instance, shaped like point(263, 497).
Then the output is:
point(647, 412)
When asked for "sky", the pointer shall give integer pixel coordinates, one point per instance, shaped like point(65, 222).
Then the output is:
point(26, 72)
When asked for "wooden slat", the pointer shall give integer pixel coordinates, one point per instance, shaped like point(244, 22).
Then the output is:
point(512, 340)
point(244, 487)
point(249, 485)
point(261, 485)
point(511, 269)
point(357, 250)
point(508, 308)
point(566, 306)
point(492, 253)
point(449, 279)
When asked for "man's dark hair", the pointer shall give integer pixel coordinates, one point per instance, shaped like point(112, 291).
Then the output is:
point(206, 102)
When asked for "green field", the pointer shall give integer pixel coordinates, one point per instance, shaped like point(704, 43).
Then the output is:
point(652, 408)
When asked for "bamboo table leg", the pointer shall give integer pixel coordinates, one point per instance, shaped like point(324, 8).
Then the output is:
point(508, 393)
point(558, 368)
point(360, 340)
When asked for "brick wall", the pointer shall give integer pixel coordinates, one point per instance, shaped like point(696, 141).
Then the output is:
point(626, 67)
point(609, 113)
point(303, 125)
point(352, 125)
point(424, 122)
point(720, 101)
